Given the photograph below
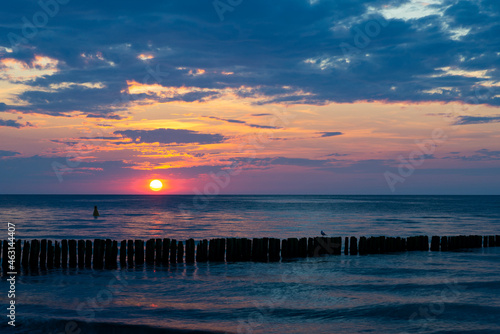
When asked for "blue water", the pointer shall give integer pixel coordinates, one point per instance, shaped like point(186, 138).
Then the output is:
point(414, 292)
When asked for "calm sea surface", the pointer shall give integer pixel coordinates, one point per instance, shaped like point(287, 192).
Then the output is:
point(416, 292)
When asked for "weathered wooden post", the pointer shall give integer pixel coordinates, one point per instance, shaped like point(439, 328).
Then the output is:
point(173, 251)
point(389, 244)
point(139, 252)
point(410, 244)
point(285, 250)
point(222, 250)
point(376, 245)
point(274, 250)
point(444, 244)
point(123, 253)
point(468, 243)
point(292, 244)
point(238, 251)
point(150, 251)
point(246, 253)
point(256, 249)
point(50, 255)
point(190, 251)
point(302, 247)
point(97, 254)
point(64, 253)
point(114, 254)
point(18, 252)
point(180, 252)
point(109, 254)
point(346, 246)
point(425, 243)
point(72, 253)
point(382, 242)
point(354, 246)
point(435, 243)
point(43, 254)
point(479, 241)
point(310, 247)
point(337, 245)
point(26, 252)
point(211, 250)
point(362, 246)
point(491, 241)
point(230, 250)
point(159, 251)
point(201, 251)
point(265, 248)
point(318, 249)
point(88, 254)
point(166, 250)
point(57, 255)
point(81, 253)
point(130, 253)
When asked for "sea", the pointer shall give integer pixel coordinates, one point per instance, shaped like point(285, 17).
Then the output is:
point(411, 292)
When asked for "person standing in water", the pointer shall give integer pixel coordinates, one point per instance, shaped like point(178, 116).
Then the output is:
point(96, 213)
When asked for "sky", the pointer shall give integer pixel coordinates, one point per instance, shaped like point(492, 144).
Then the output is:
point(250, 97)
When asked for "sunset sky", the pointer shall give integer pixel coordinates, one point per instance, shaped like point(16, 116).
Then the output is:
point(250, 97)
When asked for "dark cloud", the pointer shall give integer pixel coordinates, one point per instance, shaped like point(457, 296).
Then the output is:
point(99, 138)
point(8, 153)
point(280, 161)
point(65, 142)
point(243, 122)
point(464, 120)
point(336, 155)
point(14, 124)
point(261, 115)
point(290, 51)
point(330, 134)
point(171, 136)
point(481, 155)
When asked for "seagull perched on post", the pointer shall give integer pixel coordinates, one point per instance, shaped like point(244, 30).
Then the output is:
point(323, 233)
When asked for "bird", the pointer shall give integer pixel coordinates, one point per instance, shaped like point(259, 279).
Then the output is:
point(323, 233)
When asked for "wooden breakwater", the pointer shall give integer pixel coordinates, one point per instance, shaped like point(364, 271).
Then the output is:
point(109, 254)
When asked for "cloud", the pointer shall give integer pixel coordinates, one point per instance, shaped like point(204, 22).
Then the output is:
point(280, 161)
point(336, 155)
point(481, 155)
point(171, 136)
point(313, 52)
point(243, 122)
point(8, 153)
point(329, 134)
point(14, 124)
point(464, 120)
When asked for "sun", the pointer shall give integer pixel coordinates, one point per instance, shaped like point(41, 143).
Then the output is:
point(156, 185)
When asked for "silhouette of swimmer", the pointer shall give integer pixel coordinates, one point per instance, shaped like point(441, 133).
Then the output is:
point(96, 213)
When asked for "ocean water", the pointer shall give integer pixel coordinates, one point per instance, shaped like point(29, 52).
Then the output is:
point(413, 292)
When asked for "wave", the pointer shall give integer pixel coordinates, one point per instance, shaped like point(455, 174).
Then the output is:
point(68, 326)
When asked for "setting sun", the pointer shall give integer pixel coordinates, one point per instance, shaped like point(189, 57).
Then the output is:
point(156, 185)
